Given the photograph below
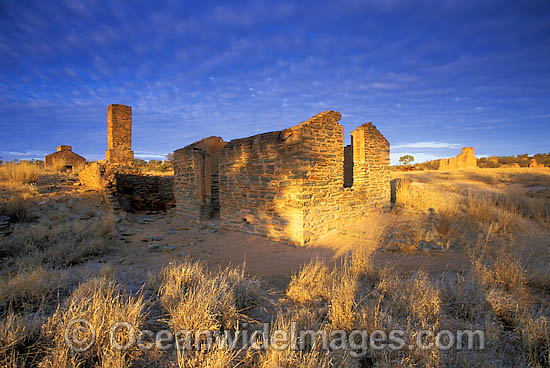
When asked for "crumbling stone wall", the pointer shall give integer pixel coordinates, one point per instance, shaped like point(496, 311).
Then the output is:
point(132, 190)
point(465, 160)
point(97, 175)
point(64, 159)
point(128, 188)
point(329, 204)
point(287, 185)
point(139, 192)
point(119, 135)
point(534, 164)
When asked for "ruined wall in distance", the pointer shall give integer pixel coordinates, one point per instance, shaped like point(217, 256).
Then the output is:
point(64, 158)
point(465, 160)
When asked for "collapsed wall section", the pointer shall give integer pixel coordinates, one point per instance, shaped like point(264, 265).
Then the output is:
point(465, 160)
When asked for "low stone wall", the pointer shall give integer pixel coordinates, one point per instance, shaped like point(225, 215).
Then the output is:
point(136, 193)
point(97, 175)
point(132, 190)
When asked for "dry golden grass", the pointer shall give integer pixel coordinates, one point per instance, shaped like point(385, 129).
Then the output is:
point(17, 333)
point(20, 173)
point(62, 243)
point(102, 304)
point(279, 357)
point(19, 207)
point(489, 215)
point(30, 290)
point(312, 284)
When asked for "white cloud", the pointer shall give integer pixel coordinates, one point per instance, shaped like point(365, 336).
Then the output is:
point(427, 145)
point(150, 155)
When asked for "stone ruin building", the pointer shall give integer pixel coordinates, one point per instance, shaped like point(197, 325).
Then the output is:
point(534, 164)
point(293, 185)
point(129, 188)
point(64, 160)
point(465, 160)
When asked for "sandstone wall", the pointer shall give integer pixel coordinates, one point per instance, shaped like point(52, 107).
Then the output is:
point(138, 192)
point(119, 135)
point(287, 185)
point(465, 160)
point(534, 164)
point(132, 190)
point(97, 175)
point(192, 188)
point(261, 185)
point(63, 158)
point(330, 204)
point(212, 145)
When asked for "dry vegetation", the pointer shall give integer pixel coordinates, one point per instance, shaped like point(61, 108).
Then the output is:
point(499, 218)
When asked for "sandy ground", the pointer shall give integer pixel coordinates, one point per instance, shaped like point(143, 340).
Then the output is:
point(147, 242)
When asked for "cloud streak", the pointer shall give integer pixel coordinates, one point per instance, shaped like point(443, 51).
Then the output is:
point(436, 145)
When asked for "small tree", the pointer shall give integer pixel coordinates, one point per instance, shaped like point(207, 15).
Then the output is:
point(405, 160)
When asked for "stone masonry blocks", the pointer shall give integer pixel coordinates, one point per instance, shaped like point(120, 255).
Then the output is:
point(287, 185)
point(119, 135)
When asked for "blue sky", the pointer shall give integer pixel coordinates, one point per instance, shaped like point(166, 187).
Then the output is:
point(433, 76)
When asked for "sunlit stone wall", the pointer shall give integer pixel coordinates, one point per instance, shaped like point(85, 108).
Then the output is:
point(465, 160)
point(288, 185)
point(119, 135)
point(64, 158)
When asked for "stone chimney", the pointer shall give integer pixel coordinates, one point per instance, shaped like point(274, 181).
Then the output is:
point(64, 148)
point(119, 135)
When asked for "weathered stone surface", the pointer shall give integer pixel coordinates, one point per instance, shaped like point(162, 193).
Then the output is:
point(119, 135)
point(97, 175)
point(465, 160)
point(287, 185)
point(64, 159)
point(136, 192)
point(534, 164)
